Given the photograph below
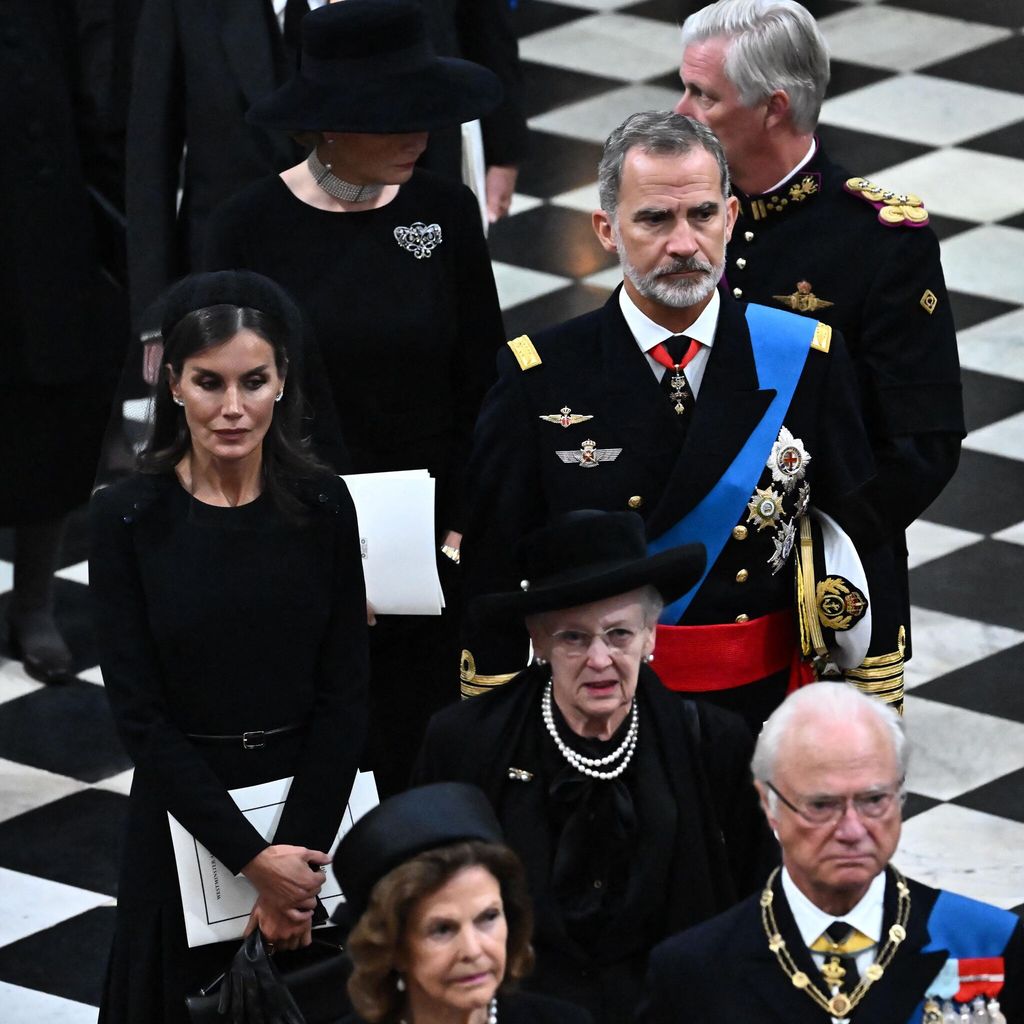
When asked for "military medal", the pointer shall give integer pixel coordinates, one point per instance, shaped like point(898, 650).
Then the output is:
point(788, 460)
point(783, 541)
point(420, 239)
point(803, 500)
point(565, 417)
point(765, 508)
point(589, 455)
point(680, 394)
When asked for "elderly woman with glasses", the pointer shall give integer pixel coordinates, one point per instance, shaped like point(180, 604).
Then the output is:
point(630, 805)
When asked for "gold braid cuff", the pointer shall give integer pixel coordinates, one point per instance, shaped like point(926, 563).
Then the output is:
point(880, 676)
point(473, 684)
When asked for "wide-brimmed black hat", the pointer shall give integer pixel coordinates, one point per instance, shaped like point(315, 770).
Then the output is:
point(367, 66)
point(586, 556)
point(402, 826)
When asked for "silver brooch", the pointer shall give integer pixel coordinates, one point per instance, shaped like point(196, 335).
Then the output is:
point(420, 239)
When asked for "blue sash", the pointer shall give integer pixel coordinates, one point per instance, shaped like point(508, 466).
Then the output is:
point(780, 341)
point(966, 928)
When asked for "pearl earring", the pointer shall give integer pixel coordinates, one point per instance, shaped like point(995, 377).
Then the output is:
point(178, 401)
point(400, 983)
point(538, 660)
point(649, 657)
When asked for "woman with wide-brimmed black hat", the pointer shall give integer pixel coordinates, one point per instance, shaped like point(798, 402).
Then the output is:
point(389, 265)
point(630, 805)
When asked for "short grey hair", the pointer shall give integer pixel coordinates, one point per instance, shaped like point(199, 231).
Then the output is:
point(836, 702)
point(659, 132)
point(773, 44)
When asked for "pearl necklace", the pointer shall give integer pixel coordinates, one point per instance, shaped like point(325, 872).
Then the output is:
point(588, 765)
point(492, 1012)
point(338, 187)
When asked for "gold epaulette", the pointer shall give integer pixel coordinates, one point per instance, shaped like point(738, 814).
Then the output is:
point(822, 337)
point(526, 355)
point(894, 208)
point(473, 684)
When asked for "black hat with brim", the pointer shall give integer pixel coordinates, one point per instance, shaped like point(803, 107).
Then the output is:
point(586, 556)
point(403, 826)
point(367, 66)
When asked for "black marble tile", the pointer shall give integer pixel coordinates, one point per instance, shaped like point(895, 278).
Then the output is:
point(1017, 221)
point(946, 227)
point(1008, 141)
point(977, 582)
point(68, 960)
point(553, 308)
point(1007, 13)
point(550, 238)
point(969, 310)
point(668, 80)
point(864, 154)
point(990, 686)
point(557, 164)
point(988, 398)
point(674, 12)
point(529, 16)
point(996, 66)
point(549, 87)
point(917, 804)
point(847, 76)
point(65, 728)
point(986, 494)
point(1002, 797)
point(81, 834)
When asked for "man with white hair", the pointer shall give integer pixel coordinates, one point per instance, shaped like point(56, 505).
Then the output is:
point(838, 933)
point(814, 238)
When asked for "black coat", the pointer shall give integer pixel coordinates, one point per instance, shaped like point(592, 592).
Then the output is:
point(719, 847)
point(592, 364)
point(904, 350)
point(723, 970)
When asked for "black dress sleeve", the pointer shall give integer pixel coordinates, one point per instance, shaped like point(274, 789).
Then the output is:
point(166, 761)
point(323, 779)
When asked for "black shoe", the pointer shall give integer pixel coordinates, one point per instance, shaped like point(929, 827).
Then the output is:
point(37, 643)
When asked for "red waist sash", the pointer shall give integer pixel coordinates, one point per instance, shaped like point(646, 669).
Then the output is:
point(701, 659)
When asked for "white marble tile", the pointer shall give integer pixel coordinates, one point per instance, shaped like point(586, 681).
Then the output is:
point(137, 409)
point(1012, 534)
point(517, 284)
point(32, 904)
point(613, 45)
point(995, 346)
point(15, 681)
point(953, 751)
point(938, 178)
point(6, 575)
point(923, 109)
point(585, 198)
point(521, 203)
point(77, 573)
point(120, 783)
point(974, 854)
point(902, 40)
point(592, 120)
point(926, 541)
point(609, 278)
point(1005, 437)
point(27, 1006)
point(23, 788)
point(943, 643)
point(596, 5)
point(986, 260)
point(92, 675)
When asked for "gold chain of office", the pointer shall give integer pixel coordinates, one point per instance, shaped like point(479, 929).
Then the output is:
point(841, 1003)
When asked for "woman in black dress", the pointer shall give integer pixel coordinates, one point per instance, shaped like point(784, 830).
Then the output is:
point(389, 266)
point(232, 628)
point(442, 915)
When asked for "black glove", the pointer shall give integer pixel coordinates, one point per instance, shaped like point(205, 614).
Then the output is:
point(252, 992)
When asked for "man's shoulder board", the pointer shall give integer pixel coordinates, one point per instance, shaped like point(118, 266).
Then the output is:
point(822, 337)
point(895, 209)
point(526, 354)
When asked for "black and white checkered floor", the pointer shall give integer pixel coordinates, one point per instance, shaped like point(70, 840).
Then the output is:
point(921, 100)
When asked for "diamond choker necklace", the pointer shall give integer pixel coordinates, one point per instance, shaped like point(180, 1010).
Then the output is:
point(335, 186)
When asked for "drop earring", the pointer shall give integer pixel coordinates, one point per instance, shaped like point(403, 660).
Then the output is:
point(279, 395)
point(178, 401)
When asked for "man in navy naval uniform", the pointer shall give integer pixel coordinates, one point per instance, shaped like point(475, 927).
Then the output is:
point(718, 422)
point(838, 933)
point(814, 238)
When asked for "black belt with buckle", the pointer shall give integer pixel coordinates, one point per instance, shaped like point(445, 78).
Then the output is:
point(254, 739)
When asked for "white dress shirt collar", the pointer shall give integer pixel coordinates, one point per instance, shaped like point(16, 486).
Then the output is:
point(279, 6)
point(802, 163)
point(648, 334)
point(811, 921)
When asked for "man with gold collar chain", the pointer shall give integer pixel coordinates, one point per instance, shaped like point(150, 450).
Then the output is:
point(816, 239)
point(838, 934)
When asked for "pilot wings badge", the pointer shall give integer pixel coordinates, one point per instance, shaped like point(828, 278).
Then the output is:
point(589, 455)
point(565, 417)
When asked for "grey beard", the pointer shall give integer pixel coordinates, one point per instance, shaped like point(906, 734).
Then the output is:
point(674, 294)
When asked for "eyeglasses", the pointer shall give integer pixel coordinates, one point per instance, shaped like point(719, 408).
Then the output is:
point(827, 810)
point(576, 642)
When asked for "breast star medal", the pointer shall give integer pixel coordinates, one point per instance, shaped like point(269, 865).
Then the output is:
point(765, 508)
point(565, 417)
point(803, 300)
point(418, 238)
point(783, 541)
point(589, 455)
point(788, 460)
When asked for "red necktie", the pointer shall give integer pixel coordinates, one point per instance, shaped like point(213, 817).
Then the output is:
point(668, 353)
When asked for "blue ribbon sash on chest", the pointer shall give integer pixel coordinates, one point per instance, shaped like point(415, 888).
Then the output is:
point(780, 343)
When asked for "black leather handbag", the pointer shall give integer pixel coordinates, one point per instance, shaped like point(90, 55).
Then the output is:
point(307, 986)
